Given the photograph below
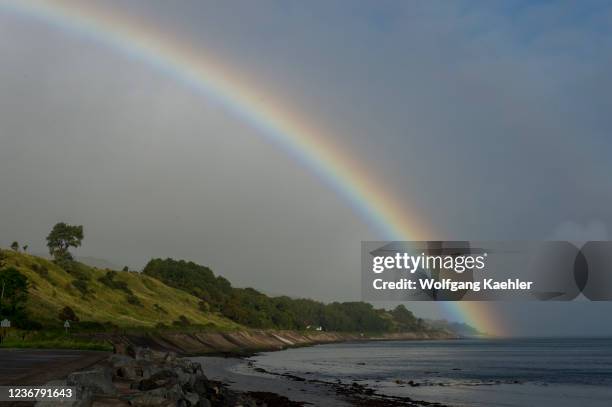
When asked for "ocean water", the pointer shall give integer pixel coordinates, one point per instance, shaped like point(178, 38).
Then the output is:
point(479, 372)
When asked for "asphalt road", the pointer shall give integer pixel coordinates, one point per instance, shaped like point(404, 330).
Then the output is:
point(38, 366)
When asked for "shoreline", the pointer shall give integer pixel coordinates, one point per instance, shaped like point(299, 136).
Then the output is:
point(246, 343)
point(134, 352)
point(146, 377)
point(300, 390)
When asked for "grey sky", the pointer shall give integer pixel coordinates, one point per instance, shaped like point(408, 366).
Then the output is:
point(490, 118)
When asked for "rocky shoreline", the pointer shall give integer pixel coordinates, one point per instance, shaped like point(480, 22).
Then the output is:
point(145, 371)
point(143, 377)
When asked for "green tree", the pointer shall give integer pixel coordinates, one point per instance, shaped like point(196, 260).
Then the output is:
point(25, 248)
point(15, 246)
point(13, 292)
point(61, 238)
point(405, 318)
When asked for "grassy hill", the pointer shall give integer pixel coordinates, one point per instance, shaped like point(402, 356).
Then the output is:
point(184, 296)
point(125, 299)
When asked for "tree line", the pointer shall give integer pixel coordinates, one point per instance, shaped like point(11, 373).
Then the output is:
point(252, 308)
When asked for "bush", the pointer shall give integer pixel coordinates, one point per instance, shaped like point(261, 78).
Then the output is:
point(108, 280)
point(203, 306)
point(81, 285)
point(67, 314)
point(182, 321)
point(132, 299)
point(27, 324)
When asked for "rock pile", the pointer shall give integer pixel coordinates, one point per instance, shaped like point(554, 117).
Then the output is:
point(143, 377)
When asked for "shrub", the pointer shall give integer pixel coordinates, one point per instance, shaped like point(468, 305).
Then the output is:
point(182, 321)
point(67, 314)
point(132, 299)
point(108, 280)
point(27, 324)
point(203, 306)
point(81, 285)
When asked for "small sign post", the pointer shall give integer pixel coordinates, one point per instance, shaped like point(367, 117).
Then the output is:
point(66, 326)
point(5, 324)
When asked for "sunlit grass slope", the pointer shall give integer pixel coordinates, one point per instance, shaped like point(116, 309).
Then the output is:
point(142, 301)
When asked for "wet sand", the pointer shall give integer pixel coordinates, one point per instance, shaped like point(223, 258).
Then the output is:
point(236, 374)
point(242, 375)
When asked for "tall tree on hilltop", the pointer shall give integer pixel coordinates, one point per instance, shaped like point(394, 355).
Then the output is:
point(61, 238)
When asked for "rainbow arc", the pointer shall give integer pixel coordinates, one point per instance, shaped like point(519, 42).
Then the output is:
point(204, 73)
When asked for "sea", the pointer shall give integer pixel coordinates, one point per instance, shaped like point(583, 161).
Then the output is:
point(466, 372)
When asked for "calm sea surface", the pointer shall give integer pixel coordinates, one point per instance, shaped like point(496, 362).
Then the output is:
point(517, 372)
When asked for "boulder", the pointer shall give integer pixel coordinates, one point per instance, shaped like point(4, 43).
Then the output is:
point(121, 360)
point(184, 378)
point(149, 368)
point(161, 396)
point(192, 399)
point(164, 378)
point(170, 357)
point(204, 403)
point(130, 372)
point(98, 380)
point(143, 354)
point(202, 386)
point(150, 400)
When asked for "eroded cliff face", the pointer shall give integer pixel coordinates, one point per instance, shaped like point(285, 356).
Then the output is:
point(244, 342)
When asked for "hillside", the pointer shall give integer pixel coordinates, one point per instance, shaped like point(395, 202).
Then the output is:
point(125, 299)
point(254, 309)
point(183, 297)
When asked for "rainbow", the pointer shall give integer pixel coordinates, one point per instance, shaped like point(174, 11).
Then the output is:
point(201, 72)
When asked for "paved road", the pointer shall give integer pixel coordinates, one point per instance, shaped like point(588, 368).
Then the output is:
point(38, 366)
